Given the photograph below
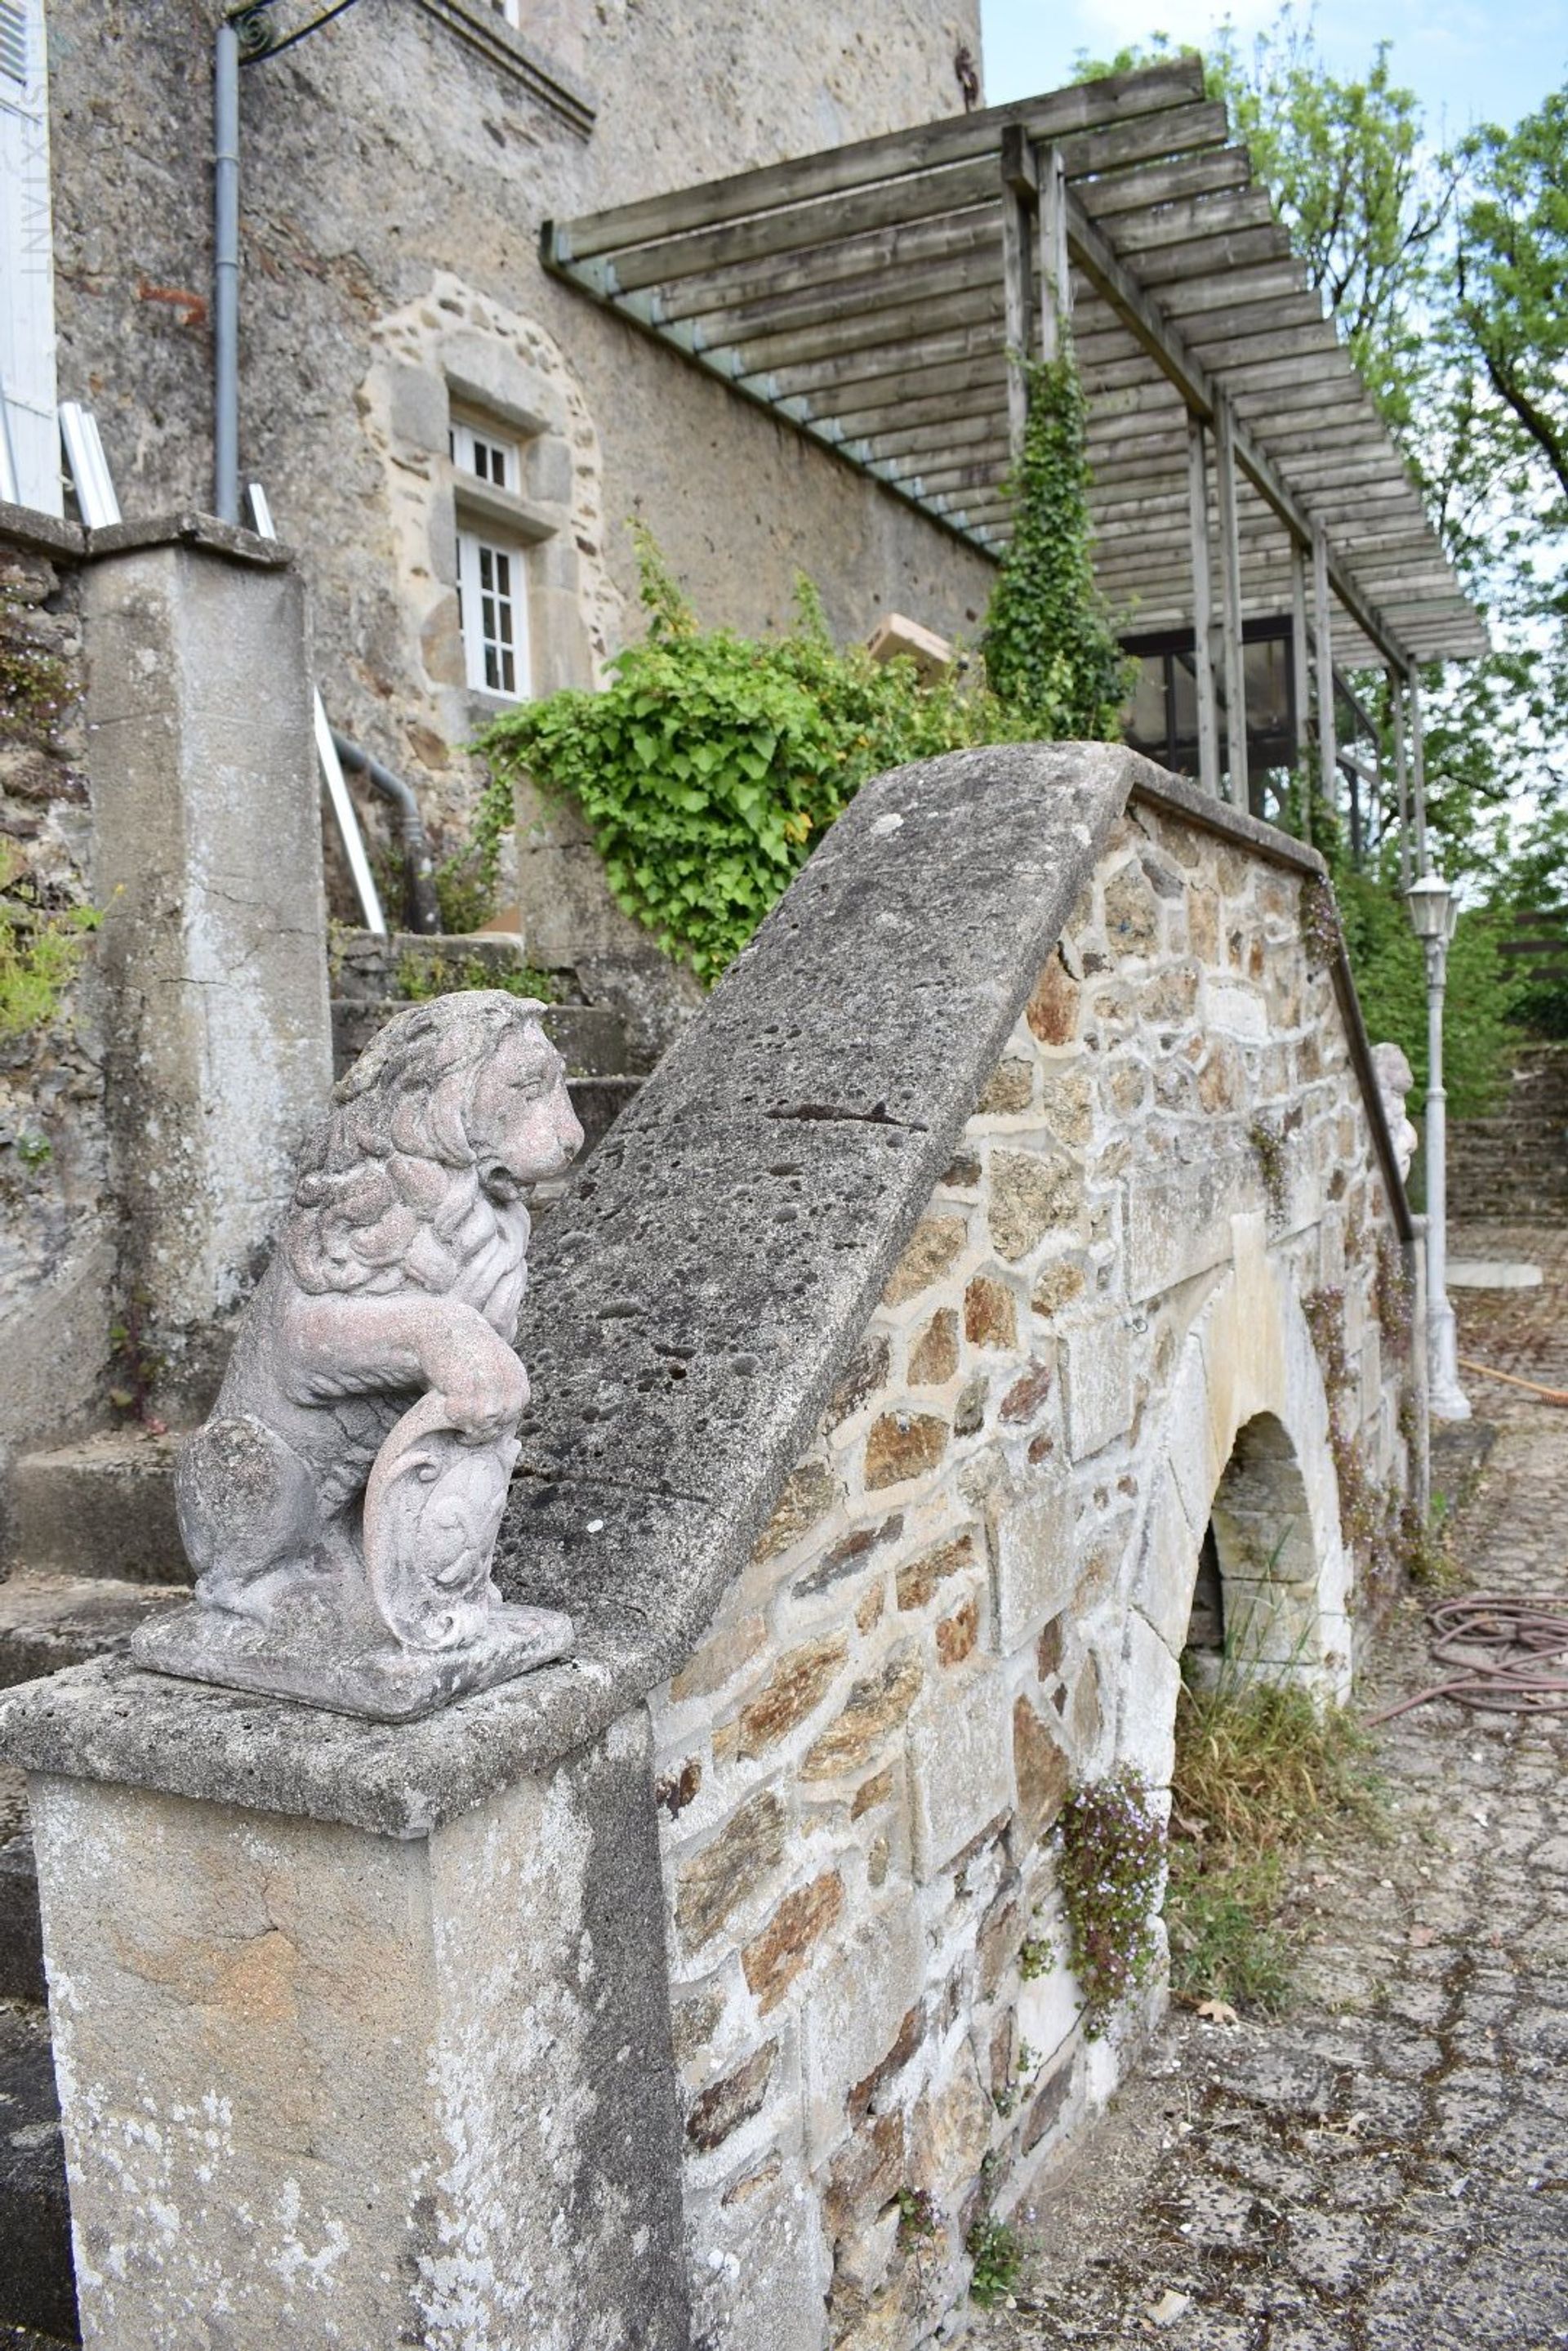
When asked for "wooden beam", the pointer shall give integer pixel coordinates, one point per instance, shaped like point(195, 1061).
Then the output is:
point(1052, 276)
point(1017, 203)
point(1418, 773)
point(1123, 193)
point(1300, 684)
point(1322, 633)
point(1202, 607)
point(1233, 659)
point(1110, 276)
point(906, 245)
point(1401, 771)
point(1169, 89)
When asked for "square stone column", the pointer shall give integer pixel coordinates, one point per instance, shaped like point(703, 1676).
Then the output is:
point(207, 863)
point(325, 2082)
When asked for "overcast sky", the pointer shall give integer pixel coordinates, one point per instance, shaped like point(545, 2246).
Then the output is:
point(1468, 61)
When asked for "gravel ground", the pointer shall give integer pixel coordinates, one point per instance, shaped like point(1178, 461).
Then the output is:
point(1387, 2168)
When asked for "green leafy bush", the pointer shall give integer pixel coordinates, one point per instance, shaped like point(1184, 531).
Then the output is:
point(998, 2257)
point(40, 952)
point(711, 764)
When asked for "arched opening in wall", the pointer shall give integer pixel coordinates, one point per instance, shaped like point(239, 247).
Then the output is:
point(1255, 1599)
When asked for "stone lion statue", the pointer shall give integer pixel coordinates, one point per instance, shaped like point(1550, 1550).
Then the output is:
point(341, 1504)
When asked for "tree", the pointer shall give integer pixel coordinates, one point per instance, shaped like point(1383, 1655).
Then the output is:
point(1511, 282)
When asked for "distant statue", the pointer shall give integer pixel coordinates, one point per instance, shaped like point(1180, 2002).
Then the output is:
point(1394, 1082)
point(341, 1505)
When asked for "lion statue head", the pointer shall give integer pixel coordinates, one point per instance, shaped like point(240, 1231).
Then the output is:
point(454, 1106)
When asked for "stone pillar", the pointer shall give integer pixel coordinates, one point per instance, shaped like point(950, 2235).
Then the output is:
point(323, 2083)
point(207, 863)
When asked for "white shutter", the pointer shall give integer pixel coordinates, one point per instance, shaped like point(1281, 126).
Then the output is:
point(26, 261)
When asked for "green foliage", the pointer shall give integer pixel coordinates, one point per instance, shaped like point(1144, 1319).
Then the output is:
point(418, 977)
point(1052, 658)
point(998, 2257)
point(1036, 1956)
point(40, 952)
point(710, 765)
point(1260, 1770)
point(33, 681)
point(1226, 1942)
point(1350, 167)
point(918, 2218)
point(1512, 279)
point(1111, 1861)
point(1483, 990)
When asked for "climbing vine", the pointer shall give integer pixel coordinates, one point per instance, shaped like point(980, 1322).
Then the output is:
point(1050, 655)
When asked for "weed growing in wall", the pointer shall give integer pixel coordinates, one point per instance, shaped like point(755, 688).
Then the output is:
point(1052, 657)
point(418, 977)
point(33, 682)
point(1111, 1859)
point(41, 952)
point(1267, 1145)
point(997, 2255)
point(1385, 1530)
point(1393, 1296)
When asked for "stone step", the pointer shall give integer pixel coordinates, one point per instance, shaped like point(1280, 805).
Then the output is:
point(38, 2291)
point(589, 1038)
point(50, 1620)
point(104, 1506)
point(21, 1930)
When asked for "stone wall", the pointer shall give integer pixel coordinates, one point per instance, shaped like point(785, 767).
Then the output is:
point(975, 1587)
point(56, 1227)
point(397, 169)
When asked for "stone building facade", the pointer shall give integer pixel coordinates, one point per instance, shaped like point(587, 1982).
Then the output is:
point(395, 168)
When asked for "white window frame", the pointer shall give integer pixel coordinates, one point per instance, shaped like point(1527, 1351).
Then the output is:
point(29, 426)
point(510, 13)
point(488, 455)
point(493, 607)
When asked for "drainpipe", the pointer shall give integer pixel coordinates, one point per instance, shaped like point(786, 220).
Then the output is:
point(409, 826)
point(227, 273)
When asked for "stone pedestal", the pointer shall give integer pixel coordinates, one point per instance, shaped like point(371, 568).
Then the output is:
point(326, 2083)
point(207, 863)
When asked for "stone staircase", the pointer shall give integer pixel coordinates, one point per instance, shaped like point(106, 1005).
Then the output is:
point(1513, 1167)
point(593, 1026)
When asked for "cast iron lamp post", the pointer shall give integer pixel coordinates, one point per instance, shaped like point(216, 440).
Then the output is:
point(1433, 915)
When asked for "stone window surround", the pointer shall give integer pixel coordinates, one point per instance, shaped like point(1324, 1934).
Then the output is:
point(501, 45)
point(520, 521)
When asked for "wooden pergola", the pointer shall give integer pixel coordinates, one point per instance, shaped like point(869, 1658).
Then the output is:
point(881, 297)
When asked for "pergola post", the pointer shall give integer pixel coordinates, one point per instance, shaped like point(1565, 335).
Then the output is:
point(1019, 199)
point(1418, 773)
point(1231, 604)
point(1202, 607)
point(1401, 772)
point(1322, 633)
point(1301, 682)
point(1054, 277)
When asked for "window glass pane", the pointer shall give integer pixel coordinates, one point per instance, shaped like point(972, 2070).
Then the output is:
point(1185, 684)
point(1266, 669)
point(1145, 720)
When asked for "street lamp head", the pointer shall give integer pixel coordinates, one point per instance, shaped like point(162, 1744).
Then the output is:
point(1430, 900)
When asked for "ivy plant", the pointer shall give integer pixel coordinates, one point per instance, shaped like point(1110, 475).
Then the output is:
point(1052, 657)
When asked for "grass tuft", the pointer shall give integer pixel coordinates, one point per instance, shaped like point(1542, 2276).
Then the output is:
point(1261, 1771)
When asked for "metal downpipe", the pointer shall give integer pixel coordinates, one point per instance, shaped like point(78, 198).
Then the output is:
point(409, 826)
point(227, 273)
